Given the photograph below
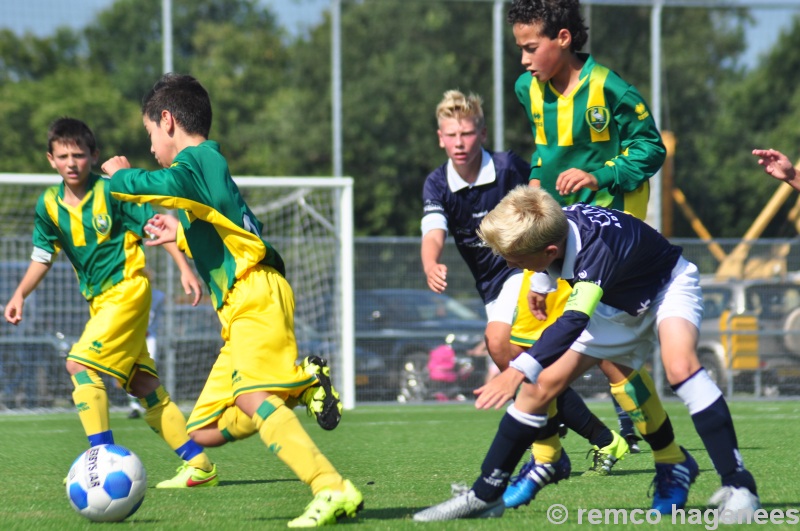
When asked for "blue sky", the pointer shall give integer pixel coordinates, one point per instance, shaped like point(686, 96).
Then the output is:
point(42, 16)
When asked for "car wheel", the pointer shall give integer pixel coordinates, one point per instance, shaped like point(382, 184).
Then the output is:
point(791, 327)
point(713, 367)
point(414, 378)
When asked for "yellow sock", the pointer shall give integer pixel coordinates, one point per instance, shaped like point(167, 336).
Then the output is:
point(166, 419)
point(547, 450)
point(638, 397)
point(285, 437)
point(235, 425)
point(91, 401)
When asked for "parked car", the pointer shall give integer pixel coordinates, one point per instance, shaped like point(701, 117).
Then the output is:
point(404, 326)
point(766, 312)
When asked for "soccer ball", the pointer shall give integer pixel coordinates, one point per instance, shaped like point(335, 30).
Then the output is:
point(106, 483)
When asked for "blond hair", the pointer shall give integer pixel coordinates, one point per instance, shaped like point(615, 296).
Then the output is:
point(455, 105)
point(524, 222)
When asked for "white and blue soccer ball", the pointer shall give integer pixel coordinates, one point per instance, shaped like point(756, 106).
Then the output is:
point(106, 483)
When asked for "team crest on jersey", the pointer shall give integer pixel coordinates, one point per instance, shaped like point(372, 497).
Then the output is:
point(598, 118)
point(102, 224)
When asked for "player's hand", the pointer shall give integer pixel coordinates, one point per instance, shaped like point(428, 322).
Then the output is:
point(162, 229)
point(499, 390)
point(776, 164)
point(114, 164)
point(537, 303)
point(574, 180)
point(13, 310)
point(437, 278)
point(191, 285)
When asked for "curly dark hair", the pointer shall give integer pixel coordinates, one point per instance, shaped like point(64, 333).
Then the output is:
point(554, 15)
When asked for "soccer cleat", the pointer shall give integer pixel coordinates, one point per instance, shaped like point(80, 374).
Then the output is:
point(321, 400)
point(633, 443)
point(533, 477)
point(738, 500)
point(671, 484)
point(328, 506)
point(465, 505)
point(606, 457)
point(134, 414)
point(190, 477)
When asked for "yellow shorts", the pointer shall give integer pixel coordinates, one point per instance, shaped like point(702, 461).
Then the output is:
point(113, 341)
point(260, 350)
point(526, 329)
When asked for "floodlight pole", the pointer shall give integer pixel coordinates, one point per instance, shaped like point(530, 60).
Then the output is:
point(336, 84)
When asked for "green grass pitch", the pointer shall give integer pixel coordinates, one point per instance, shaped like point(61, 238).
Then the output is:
point(403, 458)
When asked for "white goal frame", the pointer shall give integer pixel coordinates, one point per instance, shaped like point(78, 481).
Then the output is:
point(341, 228)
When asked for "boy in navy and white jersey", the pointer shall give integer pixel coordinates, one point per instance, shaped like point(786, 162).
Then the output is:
point(456, 196)
point(631, 288)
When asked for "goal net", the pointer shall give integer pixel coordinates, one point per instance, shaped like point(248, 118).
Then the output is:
point(307, 219)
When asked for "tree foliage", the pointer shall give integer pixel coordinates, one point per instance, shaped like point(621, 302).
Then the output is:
point(272, 93)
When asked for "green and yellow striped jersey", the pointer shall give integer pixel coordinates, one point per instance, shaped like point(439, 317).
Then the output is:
point(101, 236)
point(219, 231)
point(603, 127)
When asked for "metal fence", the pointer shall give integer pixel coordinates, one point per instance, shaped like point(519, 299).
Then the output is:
point(749, 342)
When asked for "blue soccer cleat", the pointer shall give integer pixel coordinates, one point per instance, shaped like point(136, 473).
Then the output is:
point(671, 484)
point(533, 477)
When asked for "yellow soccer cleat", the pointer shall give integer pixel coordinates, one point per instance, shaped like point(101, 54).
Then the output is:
point(606, 457)
point(190, 477)
point(321, 400)
point(329, 506)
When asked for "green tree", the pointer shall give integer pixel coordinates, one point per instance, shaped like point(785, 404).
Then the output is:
point(760, 110)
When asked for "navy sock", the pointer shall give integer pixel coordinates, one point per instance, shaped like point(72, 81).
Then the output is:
point(511, 441)
point(576, 416)
point(715, 427)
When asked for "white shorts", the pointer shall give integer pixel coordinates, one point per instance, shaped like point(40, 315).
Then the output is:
point(630, 340)
point(503, 307)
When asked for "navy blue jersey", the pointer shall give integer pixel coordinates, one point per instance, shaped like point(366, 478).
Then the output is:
point(629, 260)
point(464, 207)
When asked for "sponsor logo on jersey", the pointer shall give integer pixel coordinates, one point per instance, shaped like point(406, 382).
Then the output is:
point(641, 111)
point(102, 224)
point(598, 118)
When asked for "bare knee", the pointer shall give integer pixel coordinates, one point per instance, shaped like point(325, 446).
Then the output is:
point(142, 384)
point(208, 436)
point(679, 370)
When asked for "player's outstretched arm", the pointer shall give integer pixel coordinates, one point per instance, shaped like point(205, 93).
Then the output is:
point(162, 229)
point(778, 166)
point(499, 390)
point(35, 273)
point(114, 164)
point(430, 253)
point(189, 281)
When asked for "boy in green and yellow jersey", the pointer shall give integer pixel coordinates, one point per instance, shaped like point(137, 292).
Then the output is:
point(255, 379)
point(102, 237)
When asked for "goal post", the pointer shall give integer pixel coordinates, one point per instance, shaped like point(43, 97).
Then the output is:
point(309, 221)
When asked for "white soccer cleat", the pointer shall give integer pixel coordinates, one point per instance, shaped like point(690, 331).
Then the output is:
point(465, 505)
point(738, 500)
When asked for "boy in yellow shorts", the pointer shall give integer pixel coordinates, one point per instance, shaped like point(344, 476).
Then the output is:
point(102, 237)
point(255, 380)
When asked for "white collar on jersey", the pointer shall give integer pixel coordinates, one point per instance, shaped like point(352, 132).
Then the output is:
point(486, 174)
point(573, 246)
